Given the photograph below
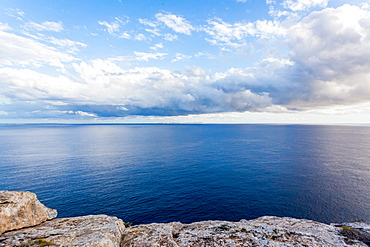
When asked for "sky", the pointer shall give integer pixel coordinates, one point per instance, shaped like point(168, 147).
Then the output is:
point(209, 61)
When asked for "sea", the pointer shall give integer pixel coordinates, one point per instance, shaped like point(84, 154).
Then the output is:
point(145, 173)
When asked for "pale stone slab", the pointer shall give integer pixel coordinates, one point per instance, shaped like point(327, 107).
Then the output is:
point(89, 231)
point(20, 209)
point(264, 231)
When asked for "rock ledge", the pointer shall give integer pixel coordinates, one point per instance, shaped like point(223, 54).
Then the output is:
point(20, 209)
point(264, 231)
point(24, 221)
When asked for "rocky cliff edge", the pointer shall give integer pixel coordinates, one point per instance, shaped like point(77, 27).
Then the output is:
point(24, 221)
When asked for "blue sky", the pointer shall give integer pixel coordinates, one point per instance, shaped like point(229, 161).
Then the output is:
point(230, 61)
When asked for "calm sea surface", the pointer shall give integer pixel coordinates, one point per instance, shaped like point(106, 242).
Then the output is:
point(187, 173)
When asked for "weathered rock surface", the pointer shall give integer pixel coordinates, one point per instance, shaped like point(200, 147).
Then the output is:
point(355, 231)
point(20, 209)
point(23, 210)
point(89, 231)
point(264, 231)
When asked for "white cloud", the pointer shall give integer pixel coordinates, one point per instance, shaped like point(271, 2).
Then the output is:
point(179, 56)
point(140, 37)
point(4, 27)
point(170, 91)
point(115, 25)
point(154, 31)
point(333, 40)
point(195, 71)
point(15, 13)
point(157, 46)
point(133, 36)
point(202, 54)
point(170, 37)
point(278, 13)
point(85, 114)
point(28, 85)
point(176, 23)
point(110, 27)
point(143, 56)
point(69, 45)
point(125, 35)
point(326, 63)
point(300, 5)
point(148, 23)
point(224, 33)
point(105, 89)
point(365, 6)
point(268, 29)
point(24, 51)
point(331, 49)
point(45, 26)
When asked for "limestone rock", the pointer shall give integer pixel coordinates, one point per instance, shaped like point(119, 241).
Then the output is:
point(23, 210)
point(264, 231)
point(355, 231)
point(89, 231)
point(20, 209)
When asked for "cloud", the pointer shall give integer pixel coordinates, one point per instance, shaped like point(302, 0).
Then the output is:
point(17, 50)
point(140, 37)
point(125, 35)
point(170, 37)
point(15, 13)
point(143, 56)
point(176, 23)
point(133, 36)
point(110, 27)
point(279, 13)
point(45, 26)
point(157, 46)
point(223, 33)
point(325, 63)
point(31, 86)
point(300, 5)
point(115, 25)
point(148, 23)
point(69, 45)
point(179, 56)
point(154, 31)
point(105, 90)
point(365, 6)
point(4, 27)
point(195, 71)
point(85, 114)
point(331, 49)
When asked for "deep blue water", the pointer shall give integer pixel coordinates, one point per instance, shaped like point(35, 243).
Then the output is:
point(187, 173)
